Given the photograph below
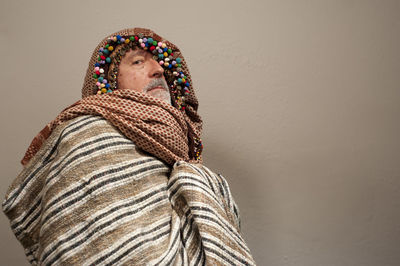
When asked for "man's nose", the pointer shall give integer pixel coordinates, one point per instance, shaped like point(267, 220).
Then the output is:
point(156, 70)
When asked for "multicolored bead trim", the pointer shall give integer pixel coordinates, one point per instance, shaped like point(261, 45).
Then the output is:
point(164, 55)
point(198, 147)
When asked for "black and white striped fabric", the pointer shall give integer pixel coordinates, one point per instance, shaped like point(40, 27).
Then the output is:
point(91, 197)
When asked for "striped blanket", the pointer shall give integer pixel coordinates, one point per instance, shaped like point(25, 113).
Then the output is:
point(91, 197)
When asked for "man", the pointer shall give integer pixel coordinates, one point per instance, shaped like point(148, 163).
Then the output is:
point(117, 179)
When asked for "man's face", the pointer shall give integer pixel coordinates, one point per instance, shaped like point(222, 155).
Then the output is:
point(138, 71)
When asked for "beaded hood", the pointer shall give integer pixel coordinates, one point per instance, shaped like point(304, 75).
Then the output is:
point(101, 77)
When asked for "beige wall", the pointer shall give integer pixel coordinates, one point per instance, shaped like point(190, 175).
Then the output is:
point(300, 99)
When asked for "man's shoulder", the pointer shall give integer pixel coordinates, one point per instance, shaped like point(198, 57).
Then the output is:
point(86, 131)
point(88, 139)
point(88, 125)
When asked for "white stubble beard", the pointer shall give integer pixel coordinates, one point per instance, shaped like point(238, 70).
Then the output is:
point(163, 95)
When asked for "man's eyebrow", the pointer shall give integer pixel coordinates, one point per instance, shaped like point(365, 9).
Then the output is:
point(138, 52)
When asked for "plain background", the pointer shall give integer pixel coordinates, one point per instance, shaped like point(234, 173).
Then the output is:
point(300, 102)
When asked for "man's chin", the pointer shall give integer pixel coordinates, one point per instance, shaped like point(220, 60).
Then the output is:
point(160, 93)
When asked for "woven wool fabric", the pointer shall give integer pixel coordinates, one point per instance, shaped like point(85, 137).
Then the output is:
point(163, 131)
point(92, 197)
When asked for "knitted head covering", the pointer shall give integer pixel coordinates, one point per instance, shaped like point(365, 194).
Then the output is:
point(171, 133)
point(110, 51)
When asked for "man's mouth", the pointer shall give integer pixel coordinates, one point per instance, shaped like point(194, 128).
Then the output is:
point(157, 87)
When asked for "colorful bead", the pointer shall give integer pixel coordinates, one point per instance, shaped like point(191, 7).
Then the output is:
point(110, 48)
point(178, 60)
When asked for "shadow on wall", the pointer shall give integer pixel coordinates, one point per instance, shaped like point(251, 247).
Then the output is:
point(243, 175)
point(238, 169)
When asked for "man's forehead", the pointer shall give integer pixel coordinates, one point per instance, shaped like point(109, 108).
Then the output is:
point(136, 52)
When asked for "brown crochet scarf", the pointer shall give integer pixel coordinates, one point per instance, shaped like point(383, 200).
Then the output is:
point(155, 126)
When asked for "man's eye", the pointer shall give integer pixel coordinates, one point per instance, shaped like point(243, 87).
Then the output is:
point(136, 62)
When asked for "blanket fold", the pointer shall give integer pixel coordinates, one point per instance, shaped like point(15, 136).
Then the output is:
point(90, 196)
